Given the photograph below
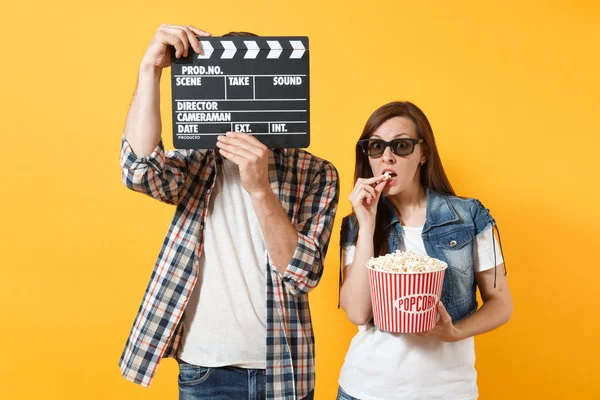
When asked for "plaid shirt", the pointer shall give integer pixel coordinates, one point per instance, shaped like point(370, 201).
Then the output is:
point(307, 188)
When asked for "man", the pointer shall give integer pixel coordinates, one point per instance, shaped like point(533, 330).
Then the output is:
point(229, 293)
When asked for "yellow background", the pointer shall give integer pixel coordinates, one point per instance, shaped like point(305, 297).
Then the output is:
point(512, 91)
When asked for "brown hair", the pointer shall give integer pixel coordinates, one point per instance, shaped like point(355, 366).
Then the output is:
point(240, 34)
point(433, 176)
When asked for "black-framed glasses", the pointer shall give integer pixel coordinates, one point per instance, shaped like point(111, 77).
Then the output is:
point(400, 147)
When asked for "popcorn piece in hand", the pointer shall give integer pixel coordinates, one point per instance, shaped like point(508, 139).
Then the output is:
point(387, 175)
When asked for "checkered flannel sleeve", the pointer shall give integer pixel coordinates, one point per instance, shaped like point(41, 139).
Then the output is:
point(161, 175)
point(315, 222)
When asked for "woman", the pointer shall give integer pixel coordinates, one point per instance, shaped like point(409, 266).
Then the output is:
point(416, 210)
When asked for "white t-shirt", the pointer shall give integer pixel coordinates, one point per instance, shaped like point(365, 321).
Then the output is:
point(225, 319)
point(382, 365)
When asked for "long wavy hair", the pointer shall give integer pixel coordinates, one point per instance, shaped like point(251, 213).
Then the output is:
point(433, 176)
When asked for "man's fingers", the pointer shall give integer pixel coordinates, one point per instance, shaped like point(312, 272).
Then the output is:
point(171, 40)
point(232, 157)
point(192, 39)
point(181, 34)
point(238, 151)
point(233, 143)
point(247, 138)
point(256, 148)
point(177, 31)
point(197, 31)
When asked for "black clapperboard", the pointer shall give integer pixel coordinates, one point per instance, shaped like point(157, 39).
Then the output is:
point(257, 85)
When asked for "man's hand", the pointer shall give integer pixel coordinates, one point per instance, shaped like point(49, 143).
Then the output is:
point(158, 56)
point(252, 157)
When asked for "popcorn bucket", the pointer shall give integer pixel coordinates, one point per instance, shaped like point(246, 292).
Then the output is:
point(405, 302)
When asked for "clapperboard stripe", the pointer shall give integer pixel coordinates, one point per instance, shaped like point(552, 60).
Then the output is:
point(207, 50)
point(257, 85)
point(230, 49)
point(298, 49)
point(275, 47)
point(251, 50)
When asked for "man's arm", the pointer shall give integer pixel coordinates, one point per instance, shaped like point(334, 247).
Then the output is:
point(143, 125)
point(297, 252)
point(146, 168)
point(280, 235)
point(317, 214)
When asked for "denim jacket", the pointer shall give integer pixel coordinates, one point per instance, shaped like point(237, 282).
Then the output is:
point(451, 225)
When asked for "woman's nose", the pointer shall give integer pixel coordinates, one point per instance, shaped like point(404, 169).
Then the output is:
point(388, 156)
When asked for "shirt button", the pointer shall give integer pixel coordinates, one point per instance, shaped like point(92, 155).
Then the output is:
point(453, 243)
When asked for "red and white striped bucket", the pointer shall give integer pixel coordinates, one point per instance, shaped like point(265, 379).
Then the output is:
point(405, 302)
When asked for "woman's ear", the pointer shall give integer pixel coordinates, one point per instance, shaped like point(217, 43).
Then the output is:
point(424, 155)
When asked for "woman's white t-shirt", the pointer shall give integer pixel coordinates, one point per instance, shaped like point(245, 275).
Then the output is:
point(382, 365)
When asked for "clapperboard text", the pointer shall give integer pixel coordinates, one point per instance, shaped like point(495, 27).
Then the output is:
point(258, 86)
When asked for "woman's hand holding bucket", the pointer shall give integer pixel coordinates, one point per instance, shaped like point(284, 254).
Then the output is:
point(444, 330)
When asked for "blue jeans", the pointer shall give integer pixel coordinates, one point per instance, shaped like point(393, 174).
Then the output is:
point(223, 383)
point(344, 396)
